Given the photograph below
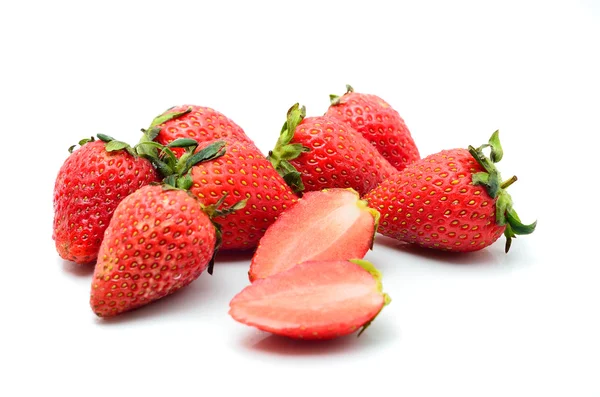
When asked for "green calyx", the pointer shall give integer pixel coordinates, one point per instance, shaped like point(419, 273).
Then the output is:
point(111, 144)
point(335, 99)
point(81, 143)
point(216, 210)
point(364, 204)
point(285, 151)
point(177, 171)
point(153, 130)
point(369, 267)
point(491, 180)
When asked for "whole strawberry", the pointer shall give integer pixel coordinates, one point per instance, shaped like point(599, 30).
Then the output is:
point(242, 173)
point(200, 123)
point(158, 241)
point(379, 123)
point(90, 184)
point(315, 153)
point(454, 200)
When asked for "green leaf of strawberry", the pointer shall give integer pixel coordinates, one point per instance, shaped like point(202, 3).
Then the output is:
point(168, 115)
point(284, 151)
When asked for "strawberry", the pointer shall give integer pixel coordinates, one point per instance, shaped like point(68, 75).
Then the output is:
point(160, 238)
point(379, 123)
point(158, 241)
point(454, 200)
point(332, 224)
point(89, 186)
point(200, 123)
point(313, 300)
point(314, 153)
point(242, 173)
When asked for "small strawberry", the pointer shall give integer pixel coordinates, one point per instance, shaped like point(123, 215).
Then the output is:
point(313, 300)
point(379, 123)
point(332, 224)
point(314, 153)
point(454, 200)
point(200, 123)
point(242, 173)
point(158, 241)
point(89, 186)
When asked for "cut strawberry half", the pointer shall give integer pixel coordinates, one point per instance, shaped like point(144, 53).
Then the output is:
point(313, 300)
point(333, 224)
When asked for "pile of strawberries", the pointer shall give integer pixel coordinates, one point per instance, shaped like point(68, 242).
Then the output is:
point(151, 217)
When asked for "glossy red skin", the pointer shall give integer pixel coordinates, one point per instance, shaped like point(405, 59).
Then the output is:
point(339, 157)
point(202, 124)
point(88, 188)
point(242, 173)
point(158, 241)
point(315, 316)
point(433, 203)
point(380, 124)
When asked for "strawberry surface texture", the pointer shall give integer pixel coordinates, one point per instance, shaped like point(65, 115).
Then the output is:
point(89, 186)
point(158, 241)
point(379, 123)
point(201, 123)
point(242, 173)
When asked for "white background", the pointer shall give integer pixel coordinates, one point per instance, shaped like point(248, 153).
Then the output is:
point(482, 324)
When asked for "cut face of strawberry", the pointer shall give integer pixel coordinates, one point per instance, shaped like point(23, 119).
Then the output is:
point(332, 224)
point(313, 300)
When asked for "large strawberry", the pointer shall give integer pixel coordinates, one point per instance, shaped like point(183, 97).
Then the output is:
point(242, 173)
point(200, 123)
point(89, 186)
point(313, 300)
point(158, 241)
point(379, 123)
point(454, 200)
point(315, 153)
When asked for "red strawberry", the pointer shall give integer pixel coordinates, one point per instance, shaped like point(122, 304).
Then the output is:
point(322, 152)
point(327, 225)
point(243, 173)
point(453, 200)
point(379, 123)
point(200, 123)
point(89, 186)
point(313, 300)
point(158, 241)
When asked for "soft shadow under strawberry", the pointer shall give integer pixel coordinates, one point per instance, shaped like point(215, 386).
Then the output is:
point(483, 257)
point(284, 346)
point(76, 269)
point(233, 256)
point(275, 344)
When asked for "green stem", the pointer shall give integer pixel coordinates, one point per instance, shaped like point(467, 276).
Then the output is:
point(285, 151)
point(508, 182)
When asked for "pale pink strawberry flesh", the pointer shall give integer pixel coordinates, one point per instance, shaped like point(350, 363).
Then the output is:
point(324, 225)
point(312, 300)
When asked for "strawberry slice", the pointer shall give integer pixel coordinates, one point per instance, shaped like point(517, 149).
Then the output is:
point(333, 224)
point(313, 300)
